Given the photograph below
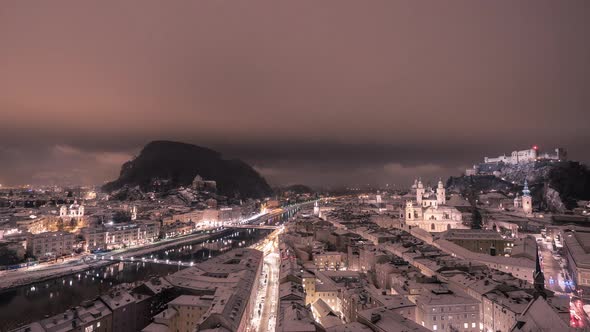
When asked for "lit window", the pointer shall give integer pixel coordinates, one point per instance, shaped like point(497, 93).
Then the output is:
point(465, 325)
point(434, 327)
point(472, 324)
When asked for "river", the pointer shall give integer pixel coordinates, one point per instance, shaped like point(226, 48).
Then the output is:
point(36, 301)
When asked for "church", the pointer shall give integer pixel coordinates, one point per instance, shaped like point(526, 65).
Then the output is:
point(430, 211)
point(524, 202)
point(74, 211)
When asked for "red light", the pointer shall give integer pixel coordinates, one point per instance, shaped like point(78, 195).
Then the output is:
point(535, 147)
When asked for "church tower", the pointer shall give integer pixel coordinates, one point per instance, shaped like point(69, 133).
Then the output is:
point(134, 212)
point(409, 211)
point(517, 201)
point(441, 195)
point(527, 200)
point(419, 192)
point(316, 209)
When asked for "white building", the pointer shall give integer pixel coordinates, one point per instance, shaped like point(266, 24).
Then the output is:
point(120, 235)
point(527, 156)
point(443, 310)
point(430, 210)
point(52, 244)
point(524, 202)
point(73, 211)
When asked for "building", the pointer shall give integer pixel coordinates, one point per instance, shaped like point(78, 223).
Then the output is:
point(380, 319)
point(445, 310)
point(540, 315)
point(524, 202)
point(430, 211)
point(502, 307)
point(182, 314)
point(481, 241)
point(74, 211)
point(120, 235)
point(230, 279)
point(200, 184)
point(177, 229)
point(329, 260)
point(527, 156)
point(92, 316)
point(295, 317)
point(50, 244)
point(577, 253)
point(122, 305)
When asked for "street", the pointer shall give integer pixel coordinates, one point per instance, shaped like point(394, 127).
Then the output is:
point(265, 313)
point(553, 268)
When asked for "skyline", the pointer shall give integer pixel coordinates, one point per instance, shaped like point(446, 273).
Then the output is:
point(305, 92)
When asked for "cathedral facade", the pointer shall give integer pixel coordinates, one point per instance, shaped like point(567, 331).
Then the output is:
point(430, 211)
point(74, 211)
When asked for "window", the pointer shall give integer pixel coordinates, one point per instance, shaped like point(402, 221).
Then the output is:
point(465, 325)
point(472, 324)
point(98, 324)
point(434, 327)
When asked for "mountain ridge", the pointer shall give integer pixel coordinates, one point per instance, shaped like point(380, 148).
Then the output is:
point(163, 165)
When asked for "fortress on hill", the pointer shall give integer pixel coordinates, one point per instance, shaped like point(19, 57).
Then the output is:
point(527, 156)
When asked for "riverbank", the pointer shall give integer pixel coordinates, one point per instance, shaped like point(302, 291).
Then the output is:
point(32, 274)
point(51, 297)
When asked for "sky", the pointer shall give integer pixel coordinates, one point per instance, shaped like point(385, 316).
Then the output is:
point(324, 93)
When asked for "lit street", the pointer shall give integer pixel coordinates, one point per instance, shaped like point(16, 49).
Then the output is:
point(265, 310)
point(555, 275)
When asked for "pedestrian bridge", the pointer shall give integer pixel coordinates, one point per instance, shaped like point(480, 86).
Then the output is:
point(254, 226)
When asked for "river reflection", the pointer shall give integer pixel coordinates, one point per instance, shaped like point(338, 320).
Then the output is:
point(29, 303)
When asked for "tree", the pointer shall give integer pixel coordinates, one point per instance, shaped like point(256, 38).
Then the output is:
point(8, 256)
point(60, 225)
point(121, 217)
point(476, 219)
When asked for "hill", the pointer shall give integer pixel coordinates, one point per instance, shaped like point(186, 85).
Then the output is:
point(555, 186)
point(166, 165)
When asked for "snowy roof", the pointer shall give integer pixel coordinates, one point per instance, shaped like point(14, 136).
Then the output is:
point(117, 299)
point(350, 327)
point(539, 315)
point(295, 317)
point(389, 321)
point(192, 301)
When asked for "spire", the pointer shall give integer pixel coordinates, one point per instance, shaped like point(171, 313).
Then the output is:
point(525, 190)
